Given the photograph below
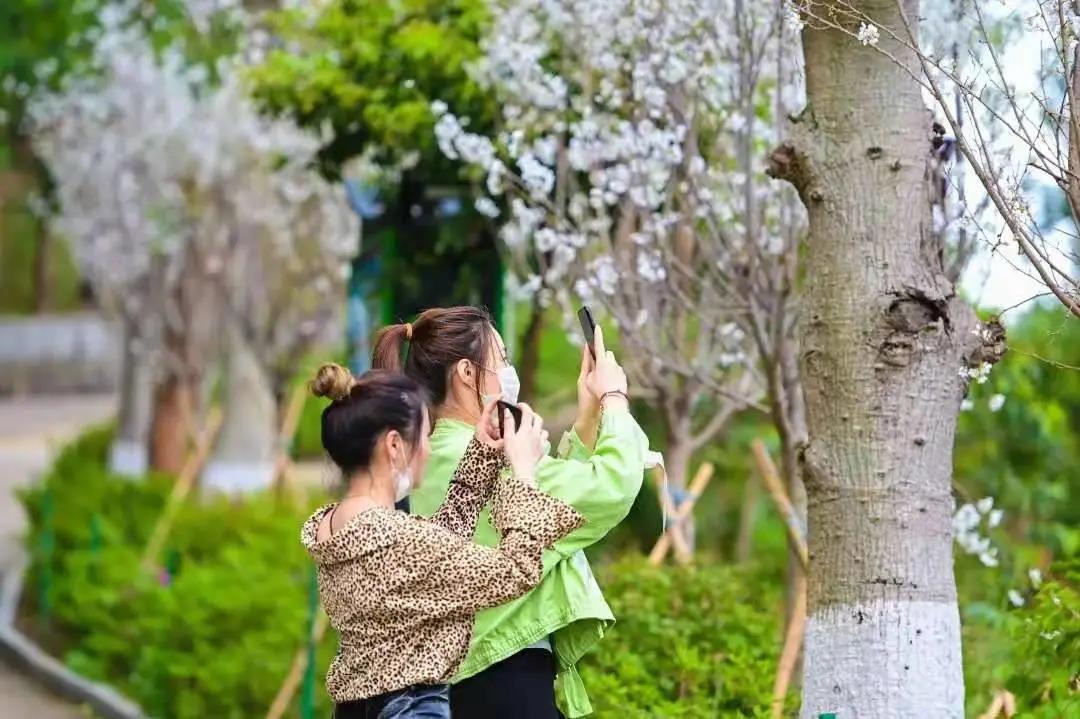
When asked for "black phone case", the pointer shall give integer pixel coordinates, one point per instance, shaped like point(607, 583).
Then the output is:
point(503, 407)
point(588, 328)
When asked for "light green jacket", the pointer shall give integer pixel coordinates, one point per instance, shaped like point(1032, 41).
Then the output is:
point(568, 605)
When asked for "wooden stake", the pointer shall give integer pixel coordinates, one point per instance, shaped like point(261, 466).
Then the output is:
point(1004, 704)
point(789, 656)
point(296, 671)
point(285, 436)
point(779, 496)
point(181, 488)
point(677, 515)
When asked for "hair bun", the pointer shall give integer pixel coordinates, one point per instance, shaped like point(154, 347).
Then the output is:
point(332, 381)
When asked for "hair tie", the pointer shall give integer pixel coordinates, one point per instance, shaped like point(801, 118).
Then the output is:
point(408, 331)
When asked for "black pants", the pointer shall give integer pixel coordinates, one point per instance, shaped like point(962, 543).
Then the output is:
point(519, 687)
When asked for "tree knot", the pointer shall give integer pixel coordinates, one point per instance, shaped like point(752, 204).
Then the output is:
point(786, 162)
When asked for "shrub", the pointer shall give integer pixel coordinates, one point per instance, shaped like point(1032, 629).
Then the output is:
point(211, 635)
point(688, 643)
point(1030, 650)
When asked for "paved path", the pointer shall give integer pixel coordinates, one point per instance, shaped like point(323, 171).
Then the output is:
point(30, 430)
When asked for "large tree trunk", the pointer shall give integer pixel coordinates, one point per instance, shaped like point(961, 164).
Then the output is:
point(128, 454)
point(243, 459)
point(883, 339)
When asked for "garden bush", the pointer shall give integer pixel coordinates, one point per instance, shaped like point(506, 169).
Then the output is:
point(212, 632)
point(696, 642)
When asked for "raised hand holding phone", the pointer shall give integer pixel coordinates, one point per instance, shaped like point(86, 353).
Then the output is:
point(607, 381)
point(524, 443)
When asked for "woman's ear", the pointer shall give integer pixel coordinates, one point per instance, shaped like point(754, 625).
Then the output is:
point(465, 372)
point(395, 446)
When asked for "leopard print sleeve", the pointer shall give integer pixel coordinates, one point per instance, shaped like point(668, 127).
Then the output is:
point(522, 508)
point(471, 577)
point(470, 488)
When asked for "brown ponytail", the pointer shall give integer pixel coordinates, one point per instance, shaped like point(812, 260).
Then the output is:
point(390, 346)
point(433, 344)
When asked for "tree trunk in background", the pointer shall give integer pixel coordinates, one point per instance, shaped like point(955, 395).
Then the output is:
point(677, 456)
point(530, 351)
point(173, 401)
point(790, 420)
point(883, 339)
point(243, 458)
point(128, 454)
point(41, 269)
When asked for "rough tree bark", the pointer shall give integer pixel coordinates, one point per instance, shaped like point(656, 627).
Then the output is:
point(883, 340)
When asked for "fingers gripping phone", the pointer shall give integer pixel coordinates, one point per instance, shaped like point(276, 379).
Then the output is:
point(514, 411)
point(588, 328)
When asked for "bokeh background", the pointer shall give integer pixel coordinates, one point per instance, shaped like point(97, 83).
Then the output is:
point(201, 201)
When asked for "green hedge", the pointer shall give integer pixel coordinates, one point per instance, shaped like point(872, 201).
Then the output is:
point(693, 643)
point(212, 638)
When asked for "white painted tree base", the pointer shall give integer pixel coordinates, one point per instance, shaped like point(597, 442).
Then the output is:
point(883, 660)
point(128, 458)
point(237, 477)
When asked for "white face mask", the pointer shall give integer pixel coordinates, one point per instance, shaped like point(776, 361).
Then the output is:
point(402, 482)
point(509, 386)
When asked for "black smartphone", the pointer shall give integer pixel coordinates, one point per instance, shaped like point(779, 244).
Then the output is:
point(515, 412)
point(588, 328)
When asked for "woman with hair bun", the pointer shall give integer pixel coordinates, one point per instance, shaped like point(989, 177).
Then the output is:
point(402, 591)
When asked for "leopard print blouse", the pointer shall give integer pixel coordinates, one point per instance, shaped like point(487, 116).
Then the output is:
point(402, 590)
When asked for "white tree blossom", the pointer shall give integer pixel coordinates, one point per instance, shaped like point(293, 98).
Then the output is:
point(632, 166)
point(164, 174)
point(190, 212)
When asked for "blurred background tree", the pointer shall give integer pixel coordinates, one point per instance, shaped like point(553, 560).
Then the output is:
point(367, 73)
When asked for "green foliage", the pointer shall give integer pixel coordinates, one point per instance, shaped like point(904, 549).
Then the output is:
point(689, 642)
point(1025, 454)
point(371, 70)
point(214, 636)
point(1031, 650)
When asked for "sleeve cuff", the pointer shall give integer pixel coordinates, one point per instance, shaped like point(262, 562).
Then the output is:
point(571, 446)
point(520, 507)
point(479, 465)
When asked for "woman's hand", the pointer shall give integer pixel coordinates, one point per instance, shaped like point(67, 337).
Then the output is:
point(524, 445)
point(487, 427)
point(588, 404)
point(607, 376)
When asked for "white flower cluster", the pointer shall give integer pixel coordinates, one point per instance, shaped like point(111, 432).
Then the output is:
point(161, 173)
point(976, 374)
point(966, 524)
point(618, 160)
point(868, 34)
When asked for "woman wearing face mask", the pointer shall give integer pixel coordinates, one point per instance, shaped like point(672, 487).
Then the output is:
point(402, 591)
point(522, 661)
